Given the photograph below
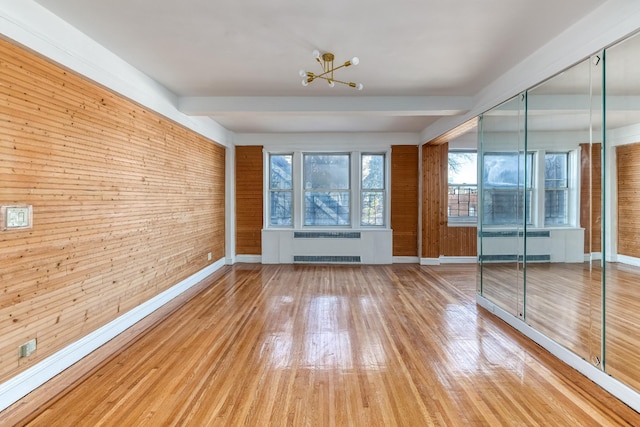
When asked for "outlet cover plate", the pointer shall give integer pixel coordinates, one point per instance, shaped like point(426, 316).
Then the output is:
point(27, 348)
point(16, 217)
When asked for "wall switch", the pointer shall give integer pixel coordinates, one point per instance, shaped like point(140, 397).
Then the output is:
point(209, 256)
point(27, 348)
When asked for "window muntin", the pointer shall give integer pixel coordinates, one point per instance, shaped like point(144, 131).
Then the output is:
point(281, 189)
point(462, 174)
point(505, 188)
point(327, 190)
point(556, 188)
point(372, 181)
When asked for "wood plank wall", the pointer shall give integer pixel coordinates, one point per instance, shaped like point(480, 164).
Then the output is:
point(591, 196)
point(437, 237)
point(125, 205)
point(628, 174)
point(249, 200)
point(404, 199)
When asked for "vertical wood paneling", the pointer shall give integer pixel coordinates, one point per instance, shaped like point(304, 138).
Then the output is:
point(628, 171)
point(591, 196)
point(125, 204)
point(404, 199)
point(431, 200)
point(249, 200)
point(437, 237)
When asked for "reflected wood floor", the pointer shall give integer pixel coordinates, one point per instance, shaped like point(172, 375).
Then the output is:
point(564, 302)
point(306, 345)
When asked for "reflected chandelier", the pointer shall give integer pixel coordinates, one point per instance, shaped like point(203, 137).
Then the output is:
point(326, 62)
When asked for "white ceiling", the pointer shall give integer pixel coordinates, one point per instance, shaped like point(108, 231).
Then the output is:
point(238, 61)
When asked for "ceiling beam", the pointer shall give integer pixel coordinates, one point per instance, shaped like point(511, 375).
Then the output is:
point(394, 105)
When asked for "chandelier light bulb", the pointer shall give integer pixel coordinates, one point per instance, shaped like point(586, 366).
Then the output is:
point(360, 86)
point(316, 54)
point(331, 83)
point(355, 60)
point(305, 82)
point(303, 73)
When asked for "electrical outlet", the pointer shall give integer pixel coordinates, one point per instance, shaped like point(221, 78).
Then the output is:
point(209, 256)
point(27, 348)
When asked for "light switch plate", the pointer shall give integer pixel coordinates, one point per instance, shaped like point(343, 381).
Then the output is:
point(16, 217)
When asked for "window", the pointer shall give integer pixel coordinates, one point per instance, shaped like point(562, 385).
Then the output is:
point(373, 190)
point(556, 188)
point(506, 187)
point(463, 188)
point(280, 189)
point(326, 189)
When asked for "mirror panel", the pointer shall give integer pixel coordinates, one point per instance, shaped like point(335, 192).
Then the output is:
point(563, 285)
point(501, 163)
point(621, 212)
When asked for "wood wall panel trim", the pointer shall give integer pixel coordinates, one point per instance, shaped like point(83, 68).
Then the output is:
point(628, 180)
point(126, 204)
point(404, 199)
point(249, 200)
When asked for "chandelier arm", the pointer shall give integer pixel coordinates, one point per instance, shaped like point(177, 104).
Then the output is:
point(352, 84)
point(330, 71)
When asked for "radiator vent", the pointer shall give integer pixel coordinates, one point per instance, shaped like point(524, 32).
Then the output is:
point(326, 235)
point(326, 258)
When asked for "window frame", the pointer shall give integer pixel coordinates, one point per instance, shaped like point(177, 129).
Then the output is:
point(355, 197)
point(382, 190)
point(271, 190)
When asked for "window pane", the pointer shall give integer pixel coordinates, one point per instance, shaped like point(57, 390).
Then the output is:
point(506, 170)
point(280, 172)
point(372, 208)
point(281, 208)
point(326, 208)
point(505, 207)
point(555, 170)
point(555, 206)
point(373, 171)
point(462, 203)
point(504, 188)
point(326, 171)
point(463, 168)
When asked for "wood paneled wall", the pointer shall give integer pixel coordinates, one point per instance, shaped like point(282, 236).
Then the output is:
point(249, 200)
point(591, 196)
point(628, 174)
point(437, 237)
point(404, 199)
point(125, 205)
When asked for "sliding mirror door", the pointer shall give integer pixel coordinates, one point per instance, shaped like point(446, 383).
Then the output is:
point(562, 238)
point(504, 187)
point(622, 212)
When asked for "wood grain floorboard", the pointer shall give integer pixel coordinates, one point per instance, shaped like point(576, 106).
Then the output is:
point(313, 345)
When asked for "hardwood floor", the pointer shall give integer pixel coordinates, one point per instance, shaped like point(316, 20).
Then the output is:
point(295, 345)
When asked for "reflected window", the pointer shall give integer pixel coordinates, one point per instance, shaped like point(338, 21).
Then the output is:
point(462, 176)
point(556, 188)
point(507, 188)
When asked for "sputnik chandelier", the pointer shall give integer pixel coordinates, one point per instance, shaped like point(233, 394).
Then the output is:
point(326, 62)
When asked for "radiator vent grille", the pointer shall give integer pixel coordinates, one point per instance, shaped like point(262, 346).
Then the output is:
point(326, 235)
point(326, 258)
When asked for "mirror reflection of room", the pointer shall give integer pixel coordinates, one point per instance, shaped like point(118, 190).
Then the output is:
point(559, 235)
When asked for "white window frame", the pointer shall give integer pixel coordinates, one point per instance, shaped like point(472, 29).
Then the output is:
point(355, 196)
